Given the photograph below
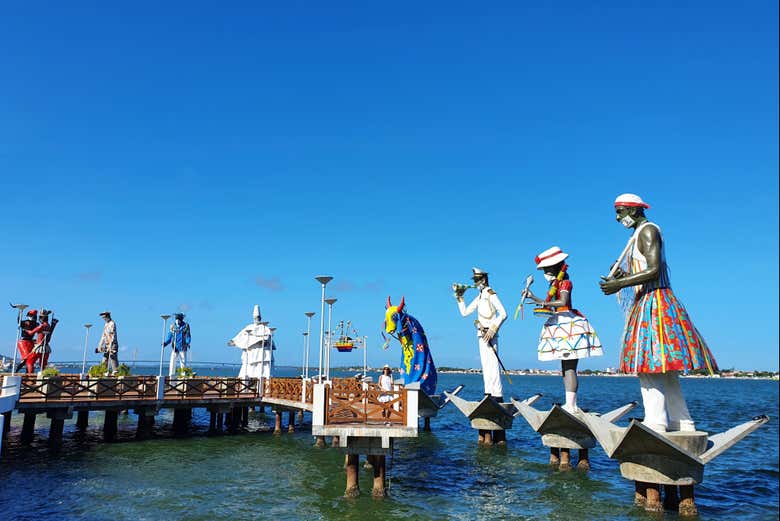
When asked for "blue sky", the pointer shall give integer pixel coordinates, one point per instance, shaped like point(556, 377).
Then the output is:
point(204, 158)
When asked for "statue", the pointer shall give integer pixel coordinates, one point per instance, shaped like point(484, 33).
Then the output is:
point(416, 360)
point(566, 335)
point(490, 316)
point(257, 345)
point(659, 340)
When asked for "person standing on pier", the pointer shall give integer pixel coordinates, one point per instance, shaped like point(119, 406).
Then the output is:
point(179, 335)
point(659, 340)
point(490, 316)
point(256, 344)
point(109, 345)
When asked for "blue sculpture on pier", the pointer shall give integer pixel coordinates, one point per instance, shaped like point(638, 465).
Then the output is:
point(416, 360)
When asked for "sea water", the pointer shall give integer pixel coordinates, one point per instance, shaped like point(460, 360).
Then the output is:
point(439, 475)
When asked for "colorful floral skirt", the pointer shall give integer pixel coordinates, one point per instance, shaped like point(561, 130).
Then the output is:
point(660, 337)
point(567, 335)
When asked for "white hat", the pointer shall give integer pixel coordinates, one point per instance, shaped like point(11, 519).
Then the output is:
point(630, 200)
point(476, 272)
point(550, 257)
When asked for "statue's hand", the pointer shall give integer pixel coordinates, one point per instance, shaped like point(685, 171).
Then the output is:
point(610, 286)
point(490, 333)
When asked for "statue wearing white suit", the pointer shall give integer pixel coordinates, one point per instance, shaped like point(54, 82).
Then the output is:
point(257, 345)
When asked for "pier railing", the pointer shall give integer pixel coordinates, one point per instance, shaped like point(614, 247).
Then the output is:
point(73, 388)
point(355, 402)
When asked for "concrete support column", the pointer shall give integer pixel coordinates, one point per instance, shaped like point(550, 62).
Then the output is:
point(320, 442)
point(653, 502)
point(583, 462)
point(334, 441)
point(565, 460)
point(488, 437)
point(145, 422)
point(28, 428)
point(427, 424)
point(291, 422)
point(499, 437)
point(220, 421)
point(352, 467)
point(212, 421)
point(378, 464)
point(6, 424)
point(244, 416)
point(687, 506)
point(55, 431)
point(300, 417)
point(671, 499)
point(180, 420)
point(640, 493)
point(110, 425)
point(278, 422)
point(555, 456)
point(481, 436)
point(82, 420)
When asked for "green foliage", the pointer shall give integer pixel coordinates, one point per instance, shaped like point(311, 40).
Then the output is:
point(185, 372)
point(123, 370)
point(98, 370)
point(49, 372)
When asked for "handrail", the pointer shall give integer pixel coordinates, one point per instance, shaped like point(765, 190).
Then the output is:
point(368, 404)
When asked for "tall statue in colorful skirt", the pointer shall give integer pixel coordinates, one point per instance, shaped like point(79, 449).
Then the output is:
point(490, 316)
point(416, 360)
point(566, 335)
point(659, 340)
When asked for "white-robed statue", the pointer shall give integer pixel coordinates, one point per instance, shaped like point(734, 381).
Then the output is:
point(256, 343)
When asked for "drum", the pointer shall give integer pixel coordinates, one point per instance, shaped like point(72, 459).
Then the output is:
point(543, 312)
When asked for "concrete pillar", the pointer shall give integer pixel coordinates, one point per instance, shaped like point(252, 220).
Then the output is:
point(180, 420)
point(300, 417)
point(555, 456)
point(244, 416)
point(488, 437)
point(6, 424)
point(687, 506)
point(334, 441)
point(82, 420)
point(320, 442)
point(671, 499)
point(55, 431)
point(145, 422)
point(499, 437)
point(353, 489)
point(110, 425)
point(28, 428)
point(565, 460)
point(235, 419)
point(379, 467)
point(220, 421)
point(653, 502)
point(291, 424)
point(278, 422)
point(212, 421)
point(640, 493)
point(583, 462)
point(427, 424)
point(481, 436)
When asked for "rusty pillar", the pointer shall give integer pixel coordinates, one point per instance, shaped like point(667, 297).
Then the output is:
point(278, 422)
point(379, 466)
point(488, 437)
point(480, 436)
point(28, 428)
point(555, 456)
point(640, 493)
point(687, 506)
point(110, 425)
point(653, 503)
point(583, 461)
point(291, 422)
point(565, 460)
point(353, 489)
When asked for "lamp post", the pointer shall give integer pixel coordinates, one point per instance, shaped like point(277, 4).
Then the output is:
point(84, 359)
point(330, 302)
point(20, 309)
point(162, 347)
point(322, 279)
point(308, 314)
point(365, 356)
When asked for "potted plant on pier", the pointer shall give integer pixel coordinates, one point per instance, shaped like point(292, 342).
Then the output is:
point(100, 384)
point(187, 383)
point(52, 382)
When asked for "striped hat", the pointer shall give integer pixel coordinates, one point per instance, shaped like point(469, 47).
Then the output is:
point(550, 257)
point(630, 200)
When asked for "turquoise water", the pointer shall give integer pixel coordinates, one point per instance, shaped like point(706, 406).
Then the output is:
point(440, 475)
